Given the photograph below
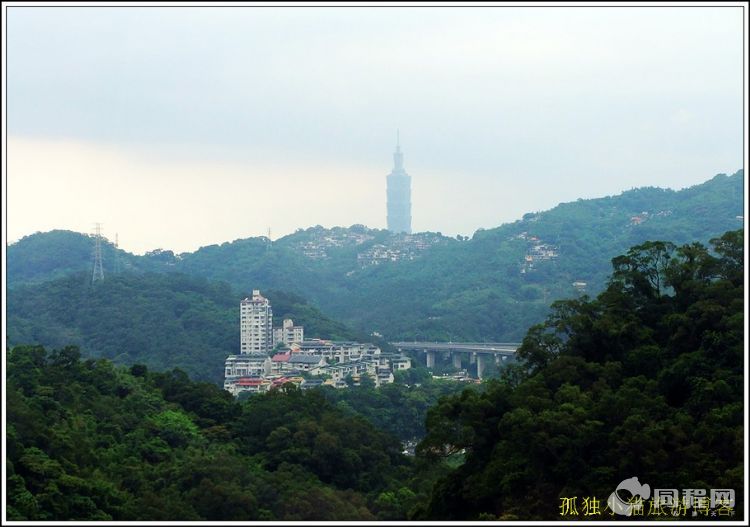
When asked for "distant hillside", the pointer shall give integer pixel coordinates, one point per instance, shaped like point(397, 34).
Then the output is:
point(160, 320)
point(45, 256)
point(428, 286)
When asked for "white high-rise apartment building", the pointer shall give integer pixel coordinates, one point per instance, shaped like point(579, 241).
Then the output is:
point(256, 324)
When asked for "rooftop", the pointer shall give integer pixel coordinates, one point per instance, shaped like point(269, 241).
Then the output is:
point(251, 381)
point(304, 359)
point(247, 357)
point(281, 357)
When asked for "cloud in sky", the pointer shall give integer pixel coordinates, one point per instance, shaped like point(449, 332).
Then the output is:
point(285, 117)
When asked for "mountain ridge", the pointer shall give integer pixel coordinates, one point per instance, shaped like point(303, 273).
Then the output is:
point(426, 285)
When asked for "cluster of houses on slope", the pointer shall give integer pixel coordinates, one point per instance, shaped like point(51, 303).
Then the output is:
point(536, 251)
point(307, 363)
point(311, 363)
point(325, 239)
point(401, 247)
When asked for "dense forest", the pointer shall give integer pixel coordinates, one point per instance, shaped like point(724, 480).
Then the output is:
point(160, 320)
point(439, 288)
point(644, 380)
point(90, 441)
point(399, 408)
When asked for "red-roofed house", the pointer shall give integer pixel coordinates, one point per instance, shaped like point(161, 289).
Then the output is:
point(278, 361)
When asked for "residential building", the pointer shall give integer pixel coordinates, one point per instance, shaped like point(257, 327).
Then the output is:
point(288, 333)
point(256, 323)
point(336, 351)
point(303, 362)
point(248, 384)
point(580, 285)
point(338, 384)
point(341, 370)
point(278, 361)
point(281, 381)
point(401, 363)
point(384, 376)
point(308, 384)
point(247, 365)
point(255, 371)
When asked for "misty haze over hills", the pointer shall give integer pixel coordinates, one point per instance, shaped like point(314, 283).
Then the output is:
point(376, 263)
point(426, 286)
point(502, 111)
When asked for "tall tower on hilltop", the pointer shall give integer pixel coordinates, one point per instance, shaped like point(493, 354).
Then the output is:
point(98, 275)
point(256, 324)
point(399, 194)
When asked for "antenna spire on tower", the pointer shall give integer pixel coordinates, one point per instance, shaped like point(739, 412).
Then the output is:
point(398, 157)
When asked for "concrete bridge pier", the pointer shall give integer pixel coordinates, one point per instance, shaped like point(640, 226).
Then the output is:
point(480, 366)
point(457, 360)
point(472, 357)
point(430, 358)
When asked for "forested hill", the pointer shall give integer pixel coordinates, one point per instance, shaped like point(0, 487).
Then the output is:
point(428, 286)
point(89, 441)
point(644, 381)
point(157, 319)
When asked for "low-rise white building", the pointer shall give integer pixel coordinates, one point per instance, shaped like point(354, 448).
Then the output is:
point(384, 376)
point(247, 384)
point(401, 363)
point(336, 350)
point(342, 370)
point(247, 365)
point(301, 362)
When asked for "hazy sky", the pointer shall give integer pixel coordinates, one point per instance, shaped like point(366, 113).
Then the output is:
point(182, 127)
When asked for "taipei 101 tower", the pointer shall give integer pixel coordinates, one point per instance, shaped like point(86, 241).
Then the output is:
point(399, 194)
